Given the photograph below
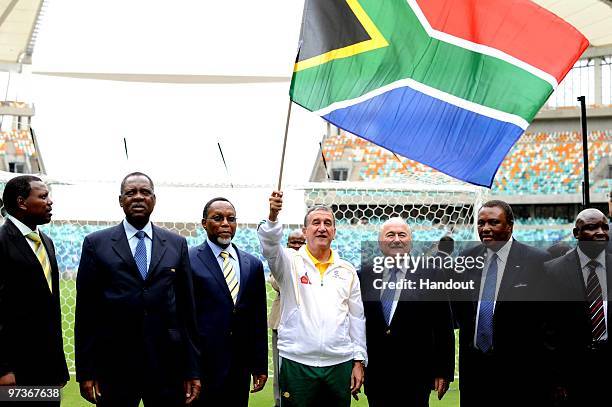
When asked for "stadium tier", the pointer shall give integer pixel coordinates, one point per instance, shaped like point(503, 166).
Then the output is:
point(20, 142)
point(542, 163)
point(550, 163)
point(68, 237)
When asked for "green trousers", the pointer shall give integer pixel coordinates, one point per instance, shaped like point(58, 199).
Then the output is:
point(308, 386)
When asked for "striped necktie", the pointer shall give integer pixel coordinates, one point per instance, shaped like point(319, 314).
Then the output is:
point(388, 296)
point(595, 299)
point(41, 254)
point(230, 276)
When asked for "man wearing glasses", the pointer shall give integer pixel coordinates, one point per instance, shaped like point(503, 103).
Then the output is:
point(231, 310)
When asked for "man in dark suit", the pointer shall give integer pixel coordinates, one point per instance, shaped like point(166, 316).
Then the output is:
point(442, 259)
point(411, 344)
point(446, 247)
point(500, 325)
point(31, 348)
point(135, 323)
point(578, 318)
point(231, 311)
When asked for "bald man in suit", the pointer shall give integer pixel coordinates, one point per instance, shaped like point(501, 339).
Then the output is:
point(578, 335)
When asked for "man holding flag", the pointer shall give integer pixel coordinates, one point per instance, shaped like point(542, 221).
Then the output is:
point(321, 336)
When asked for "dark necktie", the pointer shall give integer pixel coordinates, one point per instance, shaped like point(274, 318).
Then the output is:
point(595, 300)
point(140, 255)
point(388, 296)
point(484, 333)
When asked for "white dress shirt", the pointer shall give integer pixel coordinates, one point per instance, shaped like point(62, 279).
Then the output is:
point(600, 271)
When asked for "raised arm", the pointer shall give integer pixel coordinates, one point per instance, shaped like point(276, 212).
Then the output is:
point(270, 234)
point(276, 204)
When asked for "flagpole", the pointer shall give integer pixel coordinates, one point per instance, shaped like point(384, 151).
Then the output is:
point(324, 161)
point(225, 164)
point(401, 163)
point(586, 198)
point(127, 157)
point(280, 175)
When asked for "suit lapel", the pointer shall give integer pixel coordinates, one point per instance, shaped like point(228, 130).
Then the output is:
point(122, 248)
point(512, 269)
point(572, 262)
point(245, 267)
point(51, 256)
point(370, 301)
point(158, 248)
point(379, 314)
point(609, 274)
point(477, 278)
point(21, 243)
point(50, 252)
point(209, 261)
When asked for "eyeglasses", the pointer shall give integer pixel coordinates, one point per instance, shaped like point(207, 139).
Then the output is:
point(219, 218)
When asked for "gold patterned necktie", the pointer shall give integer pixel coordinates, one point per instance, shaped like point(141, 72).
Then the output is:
point(230, 276)
point(41, 254)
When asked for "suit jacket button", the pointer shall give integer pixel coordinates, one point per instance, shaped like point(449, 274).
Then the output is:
point(234, 311)
point(230, 333)
point(388, 332)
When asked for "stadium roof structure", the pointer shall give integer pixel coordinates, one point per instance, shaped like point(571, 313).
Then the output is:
point(593, 18)
point(19, 22)
point(20, 19)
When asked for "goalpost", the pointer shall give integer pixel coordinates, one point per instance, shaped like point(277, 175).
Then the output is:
point(431, 209)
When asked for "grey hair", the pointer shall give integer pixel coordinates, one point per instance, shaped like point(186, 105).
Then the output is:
point(323, 208)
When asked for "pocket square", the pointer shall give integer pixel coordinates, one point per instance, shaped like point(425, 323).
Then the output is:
point(520, 285)
point(173, 270)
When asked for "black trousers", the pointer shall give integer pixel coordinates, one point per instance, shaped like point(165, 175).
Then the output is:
point(232, 392)
point(497, 381)
point(128, 393)
point(589, 381)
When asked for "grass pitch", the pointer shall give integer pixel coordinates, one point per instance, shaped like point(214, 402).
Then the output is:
point(72, 398)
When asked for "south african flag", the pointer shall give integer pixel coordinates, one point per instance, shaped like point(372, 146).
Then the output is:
point(449, 83)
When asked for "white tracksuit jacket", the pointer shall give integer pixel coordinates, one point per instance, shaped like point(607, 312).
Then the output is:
point(322, 321)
